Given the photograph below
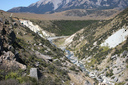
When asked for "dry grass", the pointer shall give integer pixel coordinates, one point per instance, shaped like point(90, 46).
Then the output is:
point(60, 42)
point(58, 16)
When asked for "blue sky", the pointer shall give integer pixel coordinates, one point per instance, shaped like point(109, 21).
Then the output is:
point(8, 4)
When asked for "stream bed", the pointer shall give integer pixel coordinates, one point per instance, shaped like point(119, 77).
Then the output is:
point(70, 55)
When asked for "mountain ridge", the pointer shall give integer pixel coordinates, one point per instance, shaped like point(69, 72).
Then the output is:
point(51, 6)
point(105, 65)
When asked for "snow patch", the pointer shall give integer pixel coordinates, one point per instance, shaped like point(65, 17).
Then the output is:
point(99, 2)
point(56, 3)
point(117, 38)
point(67, 1)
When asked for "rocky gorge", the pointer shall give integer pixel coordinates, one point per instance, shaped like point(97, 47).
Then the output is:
point(33, 53)
point(101, 76)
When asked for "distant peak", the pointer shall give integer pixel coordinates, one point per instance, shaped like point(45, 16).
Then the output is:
point(50, 6)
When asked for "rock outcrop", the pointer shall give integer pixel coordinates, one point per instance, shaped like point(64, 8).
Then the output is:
point(8, 57)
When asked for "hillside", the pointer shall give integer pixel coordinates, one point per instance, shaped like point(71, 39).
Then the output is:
point(63, 27)
point(27, 58)
point(90, 12)
point(103, 49)
point(38, 50)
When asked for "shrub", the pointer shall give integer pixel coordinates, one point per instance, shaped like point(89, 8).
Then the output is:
point(72, 68)
point(127, 66)
point(121, 83)
point(11, 75)
point(110, 73)
point(51, 68)
point(58, 63)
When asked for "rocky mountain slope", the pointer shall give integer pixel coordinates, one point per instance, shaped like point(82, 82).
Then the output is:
point(27, 58)
point(90, 13)
point(103, 49)
point(45, 6)
point(100, 48)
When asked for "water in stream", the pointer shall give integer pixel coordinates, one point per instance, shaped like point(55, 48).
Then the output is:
point(70, 55)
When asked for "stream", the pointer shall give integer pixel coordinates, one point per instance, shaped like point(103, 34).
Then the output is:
point(75, 60)
point(70, 55)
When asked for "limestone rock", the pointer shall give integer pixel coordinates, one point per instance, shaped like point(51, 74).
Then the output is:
point(40, 44)
point(115, 79)
point(23, 67)
point(8, 55)
point(37, 64)
point(10, 48)
point(117, 70)
point(15, 24)
point(45, 57)
point(114, 57)
point(13, 63)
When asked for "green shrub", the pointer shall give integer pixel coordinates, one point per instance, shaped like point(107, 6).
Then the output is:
point(121, 83)
point(72, 68)
point(126, 66)
point(110, 73)
point(11, 75)
point(58, 63)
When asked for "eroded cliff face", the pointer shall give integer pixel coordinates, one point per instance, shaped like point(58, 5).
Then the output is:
point(37, 29)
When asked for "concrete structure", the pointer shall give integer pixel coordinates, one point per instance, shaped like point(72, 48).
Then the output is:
point(34, 73)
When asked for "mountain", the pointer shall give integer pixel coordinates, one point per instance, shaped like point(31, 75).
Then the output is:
point(97, 53)
point(51, 6)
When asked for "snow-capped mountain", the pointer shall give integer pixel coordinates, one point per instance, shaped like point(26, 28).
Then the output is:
point(56, 3)
point(44, 6)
